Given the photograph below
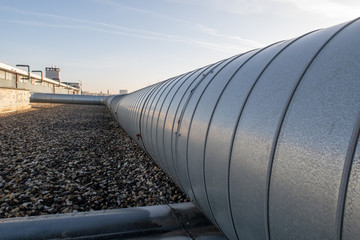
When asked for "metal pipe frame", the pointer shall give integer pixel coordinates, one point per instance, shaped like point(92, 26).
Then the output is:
point(28, 67)
point(42, 74)
point(265, 143)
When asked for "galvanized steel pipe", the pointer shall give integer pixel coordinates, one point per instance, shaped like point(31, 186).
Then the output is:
point(265, 143)
point(67, 98)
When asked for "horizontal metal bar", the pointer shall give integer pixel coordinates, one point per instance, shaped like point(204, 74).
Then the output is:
point(182, 220)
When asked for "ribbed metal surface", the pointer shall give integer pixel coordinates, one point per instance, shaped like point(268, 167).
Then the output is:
point(67, 98)
point(264, 143)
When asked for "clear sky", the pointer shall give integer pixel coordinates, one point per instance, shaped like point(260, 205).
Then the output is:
point(129, 44)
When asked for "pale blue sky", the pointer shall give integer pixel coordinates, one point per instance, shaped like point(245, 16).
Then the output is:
point(118, 44)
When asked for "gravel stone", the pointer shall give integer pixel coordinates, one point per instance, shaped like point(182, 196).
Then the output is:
point(58, 158)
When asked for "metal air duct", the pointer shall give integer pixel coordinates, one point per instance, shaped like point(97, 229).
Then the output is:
point(265, 143)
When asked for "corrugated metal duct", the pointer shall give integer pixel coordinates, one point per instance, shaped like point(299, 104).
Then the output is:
point(265, 143)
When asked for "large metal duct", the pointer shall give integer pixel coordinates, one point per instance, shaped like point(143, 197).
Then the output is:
point(265, 143)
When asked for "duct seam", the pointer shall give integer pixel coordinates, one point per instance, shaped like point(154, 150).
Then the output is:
point(170, 86)
point(174, 119)
point(203, 76)
point(346, 177)
point(177, 133)
point(157, 152)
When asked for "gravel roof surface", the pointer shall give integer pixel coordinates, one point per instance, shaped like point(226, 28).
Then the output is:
point(66, 158)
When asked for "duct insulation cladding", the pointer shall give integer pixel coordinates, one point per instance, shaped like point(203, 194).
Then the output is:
point(265, 143)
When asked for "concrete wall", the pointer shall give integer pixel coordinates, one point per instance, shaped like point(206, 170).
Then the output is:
point(13, 99)
point(7, 79)
point(35, 88)
point(39, 88)
point(7, 83)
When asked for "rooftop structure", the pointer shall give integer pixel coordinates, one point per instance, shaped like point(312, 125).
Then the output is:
point(121, 92)
point(53, 73)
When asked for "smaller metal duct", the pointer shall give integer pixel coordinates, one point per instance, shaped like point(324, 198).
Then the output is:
point(180, 221)
point(67, 98)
